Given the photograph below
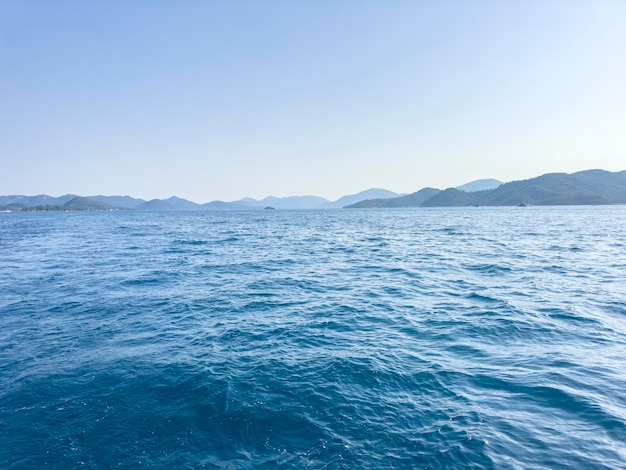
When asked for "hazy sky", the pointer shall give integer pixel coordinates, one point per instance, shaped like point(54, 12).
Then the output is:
point(225, 99)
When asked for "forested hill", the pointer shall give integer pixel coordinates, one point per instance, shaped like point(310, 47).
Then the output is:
point(589, 187)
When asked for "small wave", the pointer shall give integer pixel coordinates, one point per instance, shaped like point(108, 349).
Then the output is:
point(191, 242)
point(491, 269)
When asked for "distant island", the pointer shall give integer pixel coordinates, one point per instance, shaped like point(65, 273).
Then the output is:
point(590, 187)
point(42, 204)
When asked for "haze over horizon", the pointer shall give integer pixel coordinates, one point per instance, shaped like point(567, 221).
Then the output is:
point(224, 100)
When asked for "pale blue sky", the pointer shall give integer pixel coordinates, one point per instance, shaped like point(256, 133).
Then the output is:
point(221, 100)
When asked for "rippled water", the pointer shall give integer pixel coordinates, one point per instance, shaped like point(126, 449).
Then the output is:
point(445, 338)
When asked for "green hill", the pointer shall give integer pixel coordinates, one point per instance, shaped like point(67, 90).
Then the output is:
point(86, 204)
point(415, 199)
point(583, 188)
point(591, 187)
point(453, 197)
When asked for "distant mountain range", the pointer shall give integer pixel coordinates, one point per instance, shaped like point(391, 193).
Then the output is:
point(72, 202)
point(585, 188)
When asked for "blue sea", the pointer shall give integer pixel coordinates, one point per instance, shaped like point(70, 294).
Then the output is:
point(351, 339)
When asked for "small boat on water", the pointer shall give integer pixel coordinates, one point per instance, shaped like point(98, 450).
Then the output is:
point(269, 208)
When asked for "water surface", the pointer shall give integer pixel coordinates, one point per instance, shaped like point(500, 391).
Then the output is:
point(443, 338)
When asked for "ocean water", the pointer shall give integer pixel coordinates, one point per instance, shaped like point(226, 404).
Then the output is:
point(428, 338)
